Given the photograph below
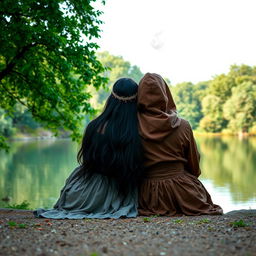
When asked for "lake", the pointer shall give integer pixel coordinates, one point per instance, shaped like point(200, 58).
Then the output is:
point(36, 171)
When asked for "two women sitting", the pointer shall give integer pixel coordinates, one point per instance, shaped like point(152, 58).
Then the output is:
point(137, 157)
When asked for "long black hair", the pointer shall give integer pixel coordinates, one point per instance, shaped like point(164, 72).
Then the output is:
point(111, 143)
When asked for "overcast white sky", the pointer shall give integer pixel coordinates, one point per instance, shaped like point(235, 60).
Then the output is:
point(184, 40)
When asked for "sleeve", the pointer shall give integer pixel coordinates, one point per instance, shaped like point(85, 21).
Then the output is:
point(192, 153)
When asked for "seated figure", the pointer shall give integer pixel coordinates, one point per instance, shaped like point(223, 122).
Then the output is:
point(171, 186)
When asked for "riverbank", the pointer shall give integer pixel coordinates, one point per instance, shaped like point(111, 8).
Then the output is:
point(38, 134)
point(43, 134)
point(224, 134)
point(231, 234)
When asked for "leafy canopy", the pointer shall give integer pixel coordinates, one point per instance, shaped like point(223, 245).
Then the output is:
point(116, 67)
point(188, 99)
point(47, 59)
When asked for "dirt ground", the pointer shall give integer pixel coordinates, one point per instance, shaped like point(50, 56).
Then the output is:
point(230, 234)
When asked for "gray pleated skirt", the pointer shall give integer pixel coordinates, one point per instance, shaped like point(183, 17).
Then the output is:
point(91, 197)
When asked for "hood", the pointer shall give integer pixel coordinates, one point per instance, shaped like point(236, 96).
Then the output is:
point(156, 108)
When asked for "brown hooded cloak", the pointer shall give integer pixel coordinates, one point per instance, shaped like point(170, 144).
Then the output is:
point(171, 186)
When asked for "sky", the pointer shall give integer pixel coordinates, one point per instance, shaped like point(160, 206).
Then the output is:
point(183, 40)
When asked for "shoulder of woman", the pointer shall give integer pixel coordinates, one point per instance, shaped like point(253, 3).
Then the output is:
point(185, 124)
point(186, 128)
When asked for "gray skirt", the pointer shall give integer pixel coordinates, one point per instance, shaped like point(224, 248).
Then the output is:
point(91, 197)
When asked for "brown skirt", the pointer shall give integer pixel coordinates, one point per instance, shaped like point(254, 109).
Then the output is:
point(171, 191)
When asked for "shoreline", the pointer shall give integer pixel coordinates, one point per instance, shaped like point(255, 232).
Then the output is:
point(220, 134)
point(210, 135)
point(230, 234)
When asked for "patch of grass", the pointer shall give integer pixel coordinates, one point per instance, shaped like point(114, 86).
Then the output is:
point(203, 221)
point(94, 254)
point(12, 223)
point(155, 216)
point(178, 221)
point(24, 206)
point(22, 225)
point(146, 219)
point(239, 224)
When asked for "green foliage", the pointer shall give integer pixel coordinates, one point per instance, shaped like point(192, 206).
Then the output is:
point(212, 110)
point(6, 129)
point(227, 102)
point(94, 254)
point(155, 216)
point(239, 224)
point(221, 86)
point(47, 59)
point(21, 225)
point(203, 221)
point(146, 219)
point(116, 67)
point(12, 223)
point(230, 101)
point(22, 118)
point(3, 144)
point(178, 221)
point(240, 108)
point(5, 124)
point(24, 206)
point(188, 100)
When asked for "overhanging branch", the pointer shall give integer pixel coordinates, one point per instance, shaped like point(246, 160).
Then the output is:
point(9, 67)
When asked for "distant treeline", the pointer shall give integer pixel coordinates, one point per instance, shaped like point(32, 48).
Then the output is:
point(226, 104)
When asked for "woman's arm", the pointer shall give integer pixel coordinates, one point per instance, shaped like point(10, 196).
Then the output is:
point(193, 155)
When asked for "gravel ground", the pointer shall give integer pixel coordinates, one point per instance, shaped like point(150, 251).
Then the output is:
point(230, 234)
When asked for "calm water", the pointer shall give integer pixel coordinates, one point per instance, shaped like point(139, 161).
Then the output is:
point(36, 171)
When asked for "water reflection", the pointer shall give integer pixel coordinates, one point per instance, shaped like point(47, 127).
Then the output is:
point(229, 162)
point(36, 171)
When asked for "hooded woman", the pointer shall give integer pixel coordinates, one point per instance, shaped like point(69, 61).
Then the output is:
point(171, 186)
point(111, 163)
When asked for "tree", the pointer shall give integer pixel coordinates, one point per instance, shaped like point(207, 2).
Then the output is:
point(116, 67)
point(47, 59)
point(221, 86)
point(212, 109)
point(240, 108)
point(188, 100)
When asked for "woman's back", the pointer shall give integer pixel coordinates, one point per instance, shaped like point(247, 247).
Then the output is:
point(105, 183)
point(178, 146)
point(171, 186)
point(111, 144)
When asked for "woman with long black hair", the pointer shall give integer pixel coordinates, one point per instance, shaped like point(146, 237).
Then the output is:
point(111, 163)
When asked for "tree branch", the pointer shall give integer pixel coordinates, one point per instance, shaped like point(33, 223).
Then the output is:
point(13, 96)
point(38, 91)
point(14, 14)
point(8, 69)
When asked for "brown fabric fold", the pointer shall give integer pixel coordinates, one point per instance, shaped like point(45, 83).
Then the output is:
point(157, 109)
point(173, 192)
point(171, 186)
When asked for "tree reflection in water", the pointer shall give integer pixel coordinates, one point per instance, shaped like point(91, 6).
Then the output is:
point(36, 171)
point(230, 162)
